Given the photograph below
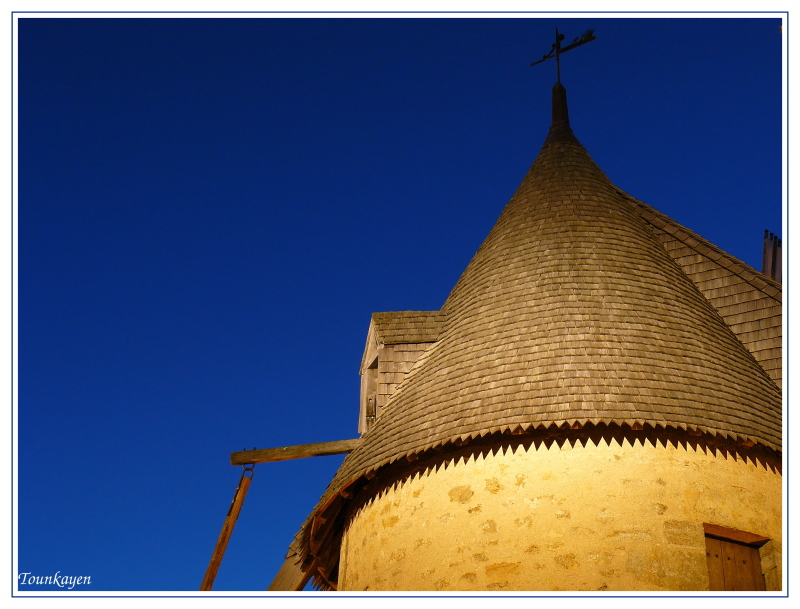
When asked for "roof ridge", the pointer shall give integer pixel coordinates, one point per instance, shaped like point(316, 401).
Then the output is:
point(744, 271)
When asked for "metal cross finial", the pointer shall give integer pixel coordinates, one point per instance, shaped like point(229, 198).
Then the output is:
point(556, 49)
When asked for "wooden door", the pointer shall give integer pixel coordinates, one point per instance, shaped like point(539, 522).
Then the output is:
point(733, 566)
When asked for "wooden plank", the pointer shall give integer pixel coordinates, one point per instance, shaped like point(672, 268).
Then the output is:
point(729, 571)
point(734, 534)
point(716, 579)
point(748, 567)
point(225, 534)
point(291, 576)
point(299, 451)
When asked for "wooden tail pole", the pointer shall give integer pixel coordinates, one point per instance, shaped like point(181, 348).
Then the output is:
point(227, 528)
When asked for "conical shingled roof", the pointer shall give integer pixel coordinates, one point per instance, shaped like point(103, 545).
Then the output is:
point(572, 312)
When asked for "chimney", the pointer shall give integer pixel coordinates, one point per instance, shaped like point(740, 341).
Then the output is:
point(771, 264)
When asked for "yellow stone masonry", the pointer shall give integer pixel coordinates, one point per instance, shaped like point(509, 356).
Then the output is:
point(613, 518)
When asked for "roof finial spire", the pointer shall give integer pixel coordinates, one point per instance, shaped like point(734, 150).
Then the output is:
point(560, 113)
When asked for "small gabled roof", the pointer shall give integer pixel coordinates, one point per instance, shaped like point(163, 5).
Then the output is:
point(401, 327)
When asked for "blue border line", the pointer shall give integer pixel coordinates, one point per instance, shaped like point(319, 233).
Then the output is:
point(400, 12)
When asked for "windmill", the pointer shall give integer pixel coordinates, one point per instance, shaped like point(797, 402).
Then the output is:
point(596, 406)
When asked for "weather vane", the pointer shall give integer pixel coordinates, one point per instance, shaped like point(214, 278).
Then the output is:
point(556, 51)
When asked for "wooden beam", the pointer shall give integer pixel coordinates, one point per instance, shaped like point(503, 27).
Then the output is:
point(745, 537)
point(265, 455)
point(225, 534)
point(291, 576)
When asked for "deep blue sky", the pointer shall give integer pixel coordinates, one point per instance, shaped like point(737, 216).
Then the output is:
point(210, 210)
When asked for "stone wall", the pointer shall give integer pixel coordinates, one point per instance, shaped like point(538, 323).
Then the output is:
point(601, 517)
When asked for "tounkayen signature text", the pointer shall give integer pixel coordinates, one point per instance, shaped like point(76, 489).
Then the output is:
point(62, 581)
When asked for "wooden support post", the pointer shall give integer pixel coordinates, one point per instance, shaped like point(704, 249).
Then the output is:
point(227, 530)
point(292, 570)
point(291, 576)
point(300, 451)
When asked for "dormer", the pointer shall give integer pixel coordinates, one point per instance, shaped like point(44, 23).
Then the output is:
point(395, 340)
